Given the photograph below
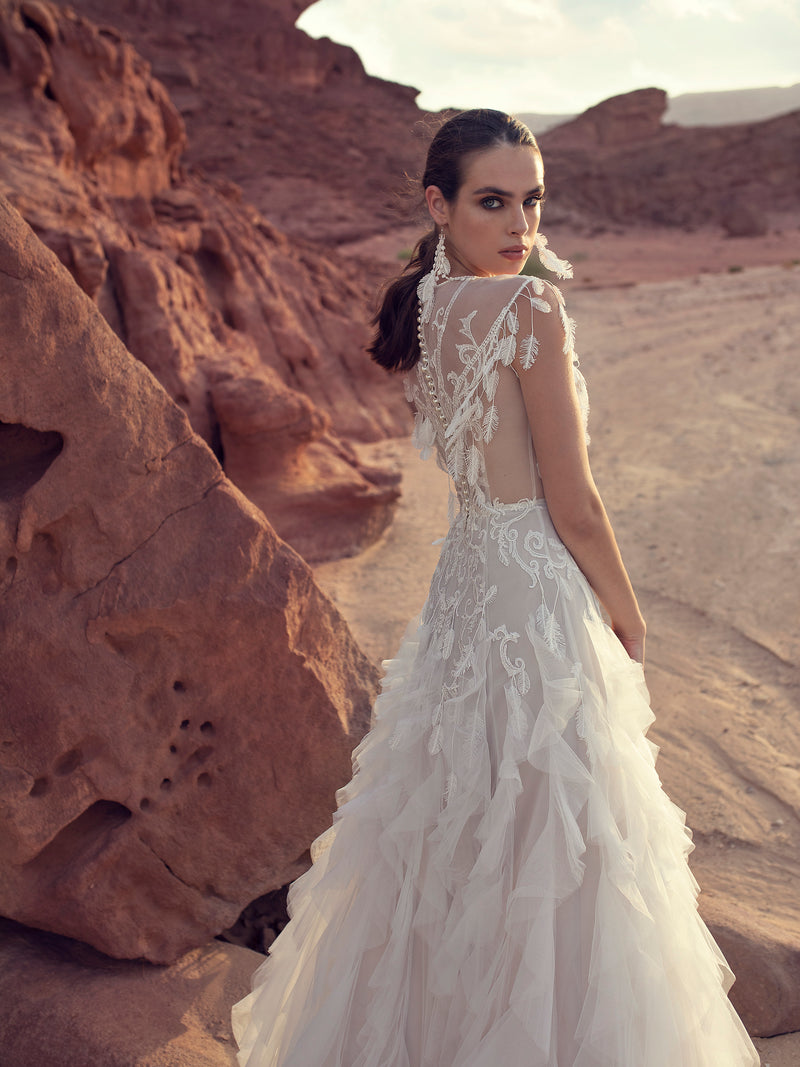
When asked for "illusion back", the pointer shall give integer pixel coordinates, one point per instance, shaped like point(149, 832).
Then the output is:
point(466, 392)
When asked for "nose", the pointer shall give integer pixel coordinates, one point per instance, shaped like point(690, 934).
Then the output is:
point(519, 222)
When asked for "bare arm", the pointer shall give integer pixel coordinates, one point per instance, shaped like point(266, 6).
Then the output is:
point(572, 497)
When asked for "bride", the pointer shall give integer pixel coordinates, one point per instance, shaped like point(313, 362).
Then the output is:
point(505, 883)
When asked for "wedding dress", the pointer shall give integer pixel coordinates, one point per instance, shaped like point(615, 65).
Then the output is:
point(505, 882)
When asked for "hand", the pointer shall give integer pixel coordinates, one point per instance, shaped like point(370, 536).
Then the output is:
point(633, 645)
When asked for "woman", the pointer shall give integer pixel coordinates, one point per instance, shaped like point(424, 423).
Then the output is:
point(504, 882)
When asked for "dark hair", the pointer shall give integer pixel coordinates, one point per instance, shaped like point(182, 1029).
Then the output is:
point(396, 346)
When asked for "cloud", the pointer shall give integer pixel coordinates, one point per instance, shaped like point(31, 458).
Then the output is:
point(707, 9)
point(564, 55)
point(730, 10)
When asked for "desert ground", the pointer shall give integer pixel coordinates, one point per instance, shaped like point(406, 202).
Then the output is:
point(695, 408)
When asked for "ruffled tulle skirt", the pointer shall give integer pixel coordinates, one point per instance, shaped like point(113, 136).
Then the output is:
point(505, 882)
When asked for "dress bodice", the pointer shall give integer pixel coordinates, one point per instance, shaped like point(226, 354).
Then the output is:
point(479, 335)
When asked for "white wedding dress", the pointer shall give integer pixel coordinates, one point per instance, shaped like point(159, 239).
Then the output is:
point(505, 882)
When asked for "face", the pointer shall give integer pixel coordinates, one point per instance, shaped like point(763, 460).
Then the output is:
point(490, 225)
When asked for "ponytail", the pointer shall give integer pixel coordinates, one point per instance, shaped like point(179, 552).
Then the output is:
point(396, 345)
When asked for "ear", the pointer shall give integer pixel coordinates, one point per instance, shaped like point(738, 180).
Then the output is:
point(437, 205)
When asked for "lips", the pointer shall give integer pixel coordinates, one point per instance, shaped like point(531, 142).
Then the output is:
point(514, 252)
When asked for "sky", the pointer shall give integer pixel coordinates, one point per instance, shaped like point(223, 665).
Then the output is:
point(562, 56)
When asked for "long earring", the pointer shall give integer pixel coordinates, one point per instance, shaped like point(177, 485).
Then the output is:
point(441, 264)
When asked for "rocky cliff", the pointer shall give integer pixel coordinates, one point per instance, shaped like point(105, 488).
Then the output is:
point(259, 339)
point(179, 699)
point(316, 144)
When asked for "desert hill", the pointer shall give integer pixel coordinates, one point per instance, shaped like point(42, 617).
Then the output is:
point(618, 162)
point(733, 105)
point(703, 109)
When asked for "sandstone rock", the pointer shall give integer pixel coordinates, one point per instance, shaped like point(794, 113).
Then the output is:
point(130, 139)
point(669, 175)
point(179, 699)
point(197, 284)
point(316, 144)
point(743, 219)
point(65, 1005)
point(278, 452)
point(620, 120)
point(766, 992)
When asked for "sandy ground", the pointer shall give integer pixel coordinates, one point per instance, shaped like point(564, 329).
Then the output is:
point(632, 256)
point(695, 413)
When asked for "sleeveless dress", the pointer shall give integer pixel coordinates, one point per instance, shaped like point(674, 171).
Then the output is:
point(505, 883)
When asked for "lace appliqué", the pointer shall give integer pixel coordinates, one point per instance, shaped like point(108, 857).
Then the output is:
point(456, 416)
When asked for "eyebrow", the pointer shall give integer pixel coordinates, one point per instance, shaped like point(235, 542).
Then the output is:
point(503, 192)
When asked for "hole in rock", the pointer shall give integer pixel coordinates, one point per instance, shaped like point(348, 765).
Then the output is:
point(204, 780)
point(216, 272)
point(11, 568)
point(39, 787)
point(25, 456)
point(185, 724)
point(89, 833)
point(260, 922)
point(202, 754)
point(182, 399)
point(216, 443)
point(48, 92)
point(45, 546)
point(166, 784)
point(37, 27)
point(144, 804)
point(69, 762)
point(179, 687)
point(173, 749)
point(207, 728)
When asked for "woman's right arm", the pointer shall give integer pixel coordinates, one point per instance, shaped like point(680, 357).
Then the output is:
point(573, 500)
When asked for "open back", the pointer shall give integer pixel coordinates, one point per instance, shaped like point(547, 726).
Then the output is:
point(466, 393)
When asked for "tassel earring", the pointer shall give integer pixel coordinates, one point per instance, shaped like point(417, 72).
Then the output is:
point(441, 264)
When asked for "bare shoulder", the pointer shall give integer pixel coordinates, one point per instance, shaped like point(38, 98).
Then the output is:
point(504, 290)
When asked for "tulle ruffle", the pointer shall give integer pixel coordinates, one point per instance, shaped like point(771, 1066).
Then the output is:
point(505, 881)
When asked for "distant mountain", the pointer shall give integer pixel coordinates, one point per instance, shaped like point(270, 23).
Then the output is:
point(735, 105)
point(539, 123)
point(704, 109)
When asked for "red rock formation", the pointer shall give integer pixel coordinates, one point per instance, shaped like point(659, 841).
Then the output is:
point(616, 164)
point(57, 994)
point(315, 143)
point(179, 699)
point(620, 120)
point(321, 149)
point(198, 285)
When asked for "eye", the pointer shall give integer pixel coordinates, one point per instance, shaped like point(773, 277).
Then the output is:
point(491, 203)
point(537, 198)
